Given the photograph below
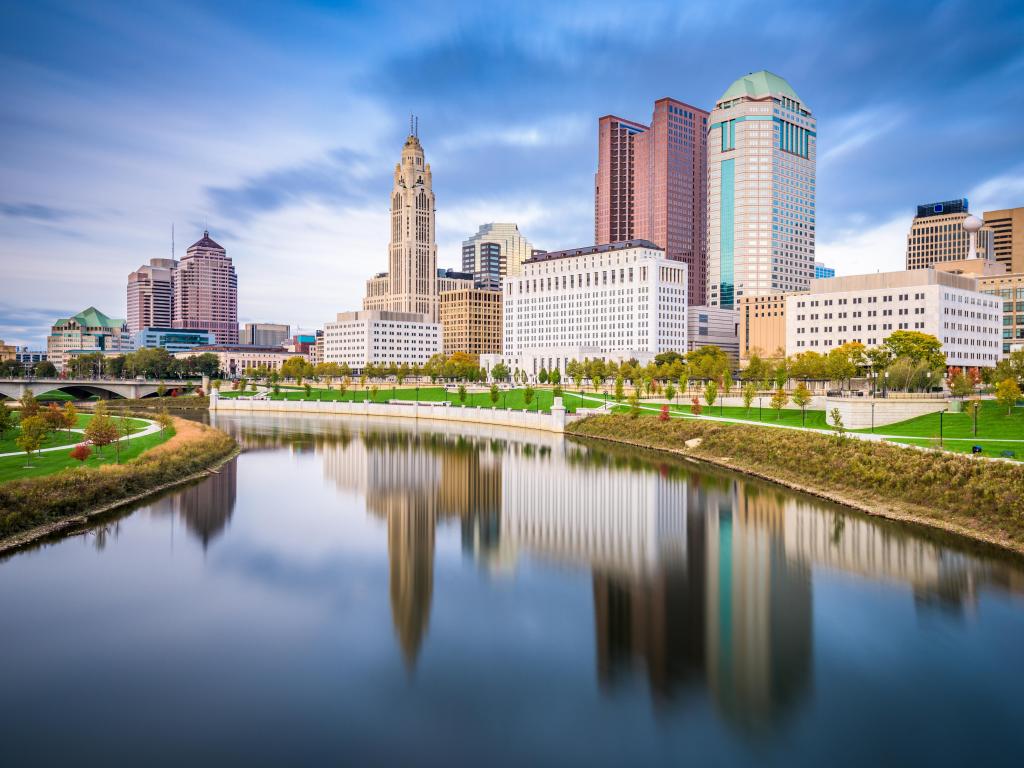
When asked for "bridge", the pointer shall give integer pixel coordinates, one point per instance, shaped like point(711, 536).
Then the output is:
point(82, 389)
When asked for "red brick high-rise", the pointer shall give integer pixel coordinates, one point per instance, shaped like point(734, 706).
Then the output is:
point(651, 184)
point(206, 291)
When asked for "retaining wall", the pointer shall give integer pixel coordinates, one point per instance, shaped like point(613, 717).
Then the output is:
point(547, 422)
point(856, 411)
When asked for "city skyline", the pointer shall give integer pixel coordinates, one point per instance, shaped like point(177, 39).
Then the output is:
point(297, 177)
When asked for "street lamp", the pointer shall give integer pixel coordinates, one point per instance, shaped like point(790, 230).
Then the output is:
point(885, 391)
point(940, 426)
point(872, 415)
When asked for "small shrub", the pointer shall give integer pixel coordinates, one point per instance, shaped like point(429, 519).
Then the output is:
point(80, 452)
point(663, 416)
point(695, 406)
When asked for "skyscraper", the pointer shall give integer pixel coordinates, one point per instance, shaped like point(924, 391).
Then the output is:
point(937, 234)
point(1007, 227)
point(762, 145)
point(496, 250)
point(151, 295)
point(410, 284)
point(651, 184)
point(206, 291)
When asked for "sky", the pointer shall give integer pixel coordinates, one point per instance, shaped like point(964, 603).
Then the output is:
point(277, 126)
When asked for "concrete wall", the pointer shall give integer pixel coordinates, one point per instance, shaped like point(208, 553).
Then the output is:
point(547, 422)
point(856, 411)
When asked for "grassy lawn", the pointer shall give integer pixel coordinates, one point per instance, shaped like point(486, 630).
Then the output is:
point(8, 444)
point(511, 399)
point(766, 415)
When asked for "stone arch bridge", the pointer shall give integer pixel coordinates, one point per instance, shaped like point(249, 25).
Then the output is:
point(85, 388)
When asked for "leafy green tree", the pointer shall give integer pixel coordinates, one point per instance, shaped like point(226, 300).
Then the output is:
point(11, 369)
point(959, 385)
point(749, 393)
point(918, 346)
point(45, 370)
point(54, 417)
point(634, 405)
point(528, 394)
point(542, 375)
point(801, 398)
point(462, 393)
point(556, 391)
point(837, 424)
point(308, 389)
point(577, 372)
point(70, 416)
point(1007, 394)
point(101, 430)
point(296, 368)
point(32, 431)
point(710, 393)
point(620, 389)
point(6, 419)
point(495, 394)
point(555, 376)
point(670, 391)
point(1011, 367)
point(708, 362)
point(779, 400)
point(500, 372)
point(727, 382)
point(165, 421)
point(757, 368)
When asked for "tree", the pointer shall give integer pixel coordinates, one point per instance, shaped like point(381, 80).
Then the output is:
point(663, 415)
point(710, 393)
point(556, 391)
point(555, 376)
point(779, 400)
point(634, 405)
point(499, 372)
point(801, 397)
point(727, 381)
point(528, 395)
point(70, 416)
point(11, 369)
point(80, 452)
point(670, 391)
point(296, 368)
point(45, 370)
point(620, 388)
point(308, 389)
point(101, 429)
point(695, 408)
point(1007, 394)
point(708, 362)
point(757, 368)
point(959, 385)
point(918, 346)
point(165, 421)
point(494, 395)
point(6, 419)
point(29, 405)
point(837, 424)
point(462, 393)
point(1012, 367)
point(576, 372)
point(31, 434)
point(749, 393)
point(667, 358)
point(542, 375)
point(54, 417)
point(124, 429)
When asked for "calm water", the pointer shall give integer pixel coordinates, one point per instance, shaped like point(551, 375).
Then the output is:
point(351, 592)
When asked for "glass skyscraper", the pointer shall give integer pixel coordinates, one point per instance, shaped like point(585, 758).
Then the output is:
point(761, 146)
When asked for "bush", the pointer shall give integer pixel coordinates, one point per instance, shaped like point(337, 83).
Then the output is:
point(37, 501)
point(80, 452)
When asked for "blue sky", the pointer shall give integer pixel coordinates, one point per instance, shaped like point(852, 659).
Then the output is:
point(278, 124)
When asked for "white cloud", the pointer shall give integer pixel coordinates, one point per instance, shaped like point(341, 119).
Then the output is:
point(859, 129)
point(878, 248)
point(1005, 191)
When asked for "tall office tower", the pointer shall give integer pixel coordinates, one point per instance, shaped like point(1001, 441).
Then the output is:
point(206, 291)
point(412, 252)
point(937, 234)
point(1007, 237)
point(496, 250)
point(651, 184)
point(151, 295)
point(762, 144)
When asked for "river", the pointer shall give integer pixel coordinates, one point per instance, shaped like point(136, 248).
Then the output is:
point(374, 592)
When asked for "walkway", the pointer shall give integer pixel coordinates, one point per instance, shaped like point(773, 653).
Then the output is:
point(152, 428)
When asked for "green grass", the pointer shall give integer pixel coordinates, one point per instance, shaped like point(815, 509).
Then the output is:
point(509, 399)
point(791, 417)
point(12, 467)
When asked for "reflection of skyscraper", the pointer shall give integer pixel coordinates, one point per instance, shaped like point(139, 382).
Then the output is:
point(411, 575)
point(207, 506)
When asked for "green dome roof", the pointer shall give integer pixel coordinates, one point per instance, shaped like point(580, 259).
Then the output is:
point(758, 85)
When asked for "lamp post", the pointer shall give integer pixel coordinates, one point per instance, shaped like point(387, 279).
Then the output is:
point(872, 416)
point(760, 417)
point(940, 426)
point(885, 391)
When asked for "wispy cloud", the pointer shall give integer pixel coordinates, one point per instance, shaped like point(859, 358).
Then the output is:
point(34, 212)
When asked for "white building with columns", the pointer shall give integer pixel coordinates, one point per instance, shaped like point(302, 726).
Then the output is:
point(868, 308)
point(616, 301)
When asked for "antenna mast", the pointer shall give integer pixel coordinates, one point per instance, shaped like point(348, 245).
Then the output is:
point(172, 241)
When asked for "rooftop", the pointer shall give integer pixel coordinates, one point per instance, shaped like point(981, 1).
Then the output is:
point(758, 85)
point(591, 249)
point(206, 242)
point(92, 318)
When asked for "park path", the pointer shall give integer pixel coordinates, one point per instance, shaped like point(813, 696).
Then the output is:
point(151, 428)
point(868, 436)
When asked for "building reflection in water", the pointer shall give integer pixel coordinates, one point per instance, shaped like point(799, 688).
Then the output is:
point(701, 581)
point(205, 507)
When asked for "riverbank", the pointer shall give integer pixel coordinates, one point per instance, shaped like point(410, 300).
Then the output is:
point(35, 508)
point(979, 500)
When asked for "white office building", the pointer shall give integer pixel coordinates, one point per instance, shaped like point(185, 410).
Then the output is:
point(868, 308)
point(380, 337)
point(616, 301)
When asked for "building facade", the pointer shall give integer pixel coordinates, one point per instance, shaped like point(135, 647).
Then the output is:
point(450, 280)
point(471, 321)
point(172, 339)
point(241, 359)
point(206, 291)
point(151, 295)
point(761, 326)
point(496, 250)
point(88, 331)
point(651, 184)
point(1007, 227)
point(625, 298)
point(1008, 291)
point(821, 271)
point(713, 327)
point(29, 357)
point(265, 334)
point(366, 338)
point(410, 284)
point(7, 352)
point(868, 308)
point(937, 234)
point(762, 148)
